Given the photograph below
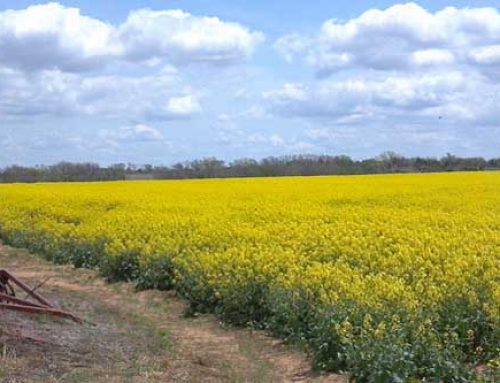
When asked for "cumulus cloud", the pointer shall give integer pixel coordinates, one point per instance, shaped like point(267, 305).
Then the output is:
point(56, 61)
point(181, 37)
point(31, 95)
point(53, 36)
point(367, 98)
point(432, 57)
point(403, 63)
point(488, 55)
point(400, 37)
point(157, 96)
point(402, 75)
point(183, 106)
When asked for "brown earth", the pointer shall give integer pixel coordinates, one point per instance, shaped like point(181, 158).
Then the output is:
point(131, 337)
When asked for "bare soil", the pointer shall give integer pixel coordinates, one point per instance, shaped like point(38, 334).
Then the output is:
point(131, 336)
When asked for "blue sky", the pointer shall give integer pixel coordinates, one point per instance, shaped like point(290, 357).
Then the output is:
point(166, 81)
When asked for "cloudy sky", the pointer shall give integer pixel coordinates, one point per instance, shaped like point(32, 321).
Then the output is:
point(165, 81)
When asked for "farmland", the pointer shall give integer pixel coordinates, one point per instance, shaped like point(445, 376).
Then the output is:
point(388, 277)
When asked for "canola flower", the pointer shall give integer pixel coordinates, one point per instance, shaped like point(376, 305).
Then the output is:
point(388, 277)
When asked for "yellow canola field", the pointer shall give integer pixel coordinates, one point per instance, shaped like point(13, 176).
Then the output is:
point(387, 276)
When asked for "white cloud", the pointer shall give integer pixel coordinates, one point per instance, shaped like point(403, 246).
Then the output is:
point(488, 55)
point(182, 37)
point(130, 134)
point(290, 45)
point(56, 93)
point(321, 100)
point(30, 95)
point(249, 139)
point(433, 57)
point(388, 77)
point(403, 63)
point(302, 147)
point(398, 38)
point(146, 132)
point(266, 139)
point(183, 106)
point(55, 61)
point(366, 98)
point(52, 36)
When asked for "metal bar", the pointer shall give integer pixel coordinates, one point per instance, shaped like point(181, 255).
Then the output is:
point(26, 288)
point(37, 286)
point(40, 310)
point(23, 302)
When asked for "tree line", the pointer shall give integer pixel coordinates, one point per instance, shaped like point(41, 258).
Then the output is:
point(293, 165)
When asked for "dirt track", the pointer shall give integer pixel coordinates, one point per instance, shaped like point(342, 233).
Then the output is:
point(131, 337)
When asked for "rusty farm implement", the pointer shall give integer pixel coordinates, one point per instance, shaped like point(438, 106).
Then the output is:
point(33, 303)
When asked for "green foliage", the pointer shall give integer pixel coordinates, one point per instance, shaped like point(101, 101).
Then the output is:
point(157, 274)
point(121, 267)
point(247, 305)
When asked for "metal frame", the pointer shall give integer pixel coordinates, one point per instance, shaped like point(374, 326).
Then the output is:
point(37, 304)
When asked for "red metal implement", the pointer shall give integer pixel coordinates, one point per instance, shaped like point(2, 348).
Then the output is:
point(36, 305)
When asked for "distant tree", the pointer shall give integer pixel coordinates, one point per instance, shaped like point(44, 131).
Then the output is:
point(293, 165)
point(450, 162)
point(245, 167)
point(207, 167)
point(391, 161)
